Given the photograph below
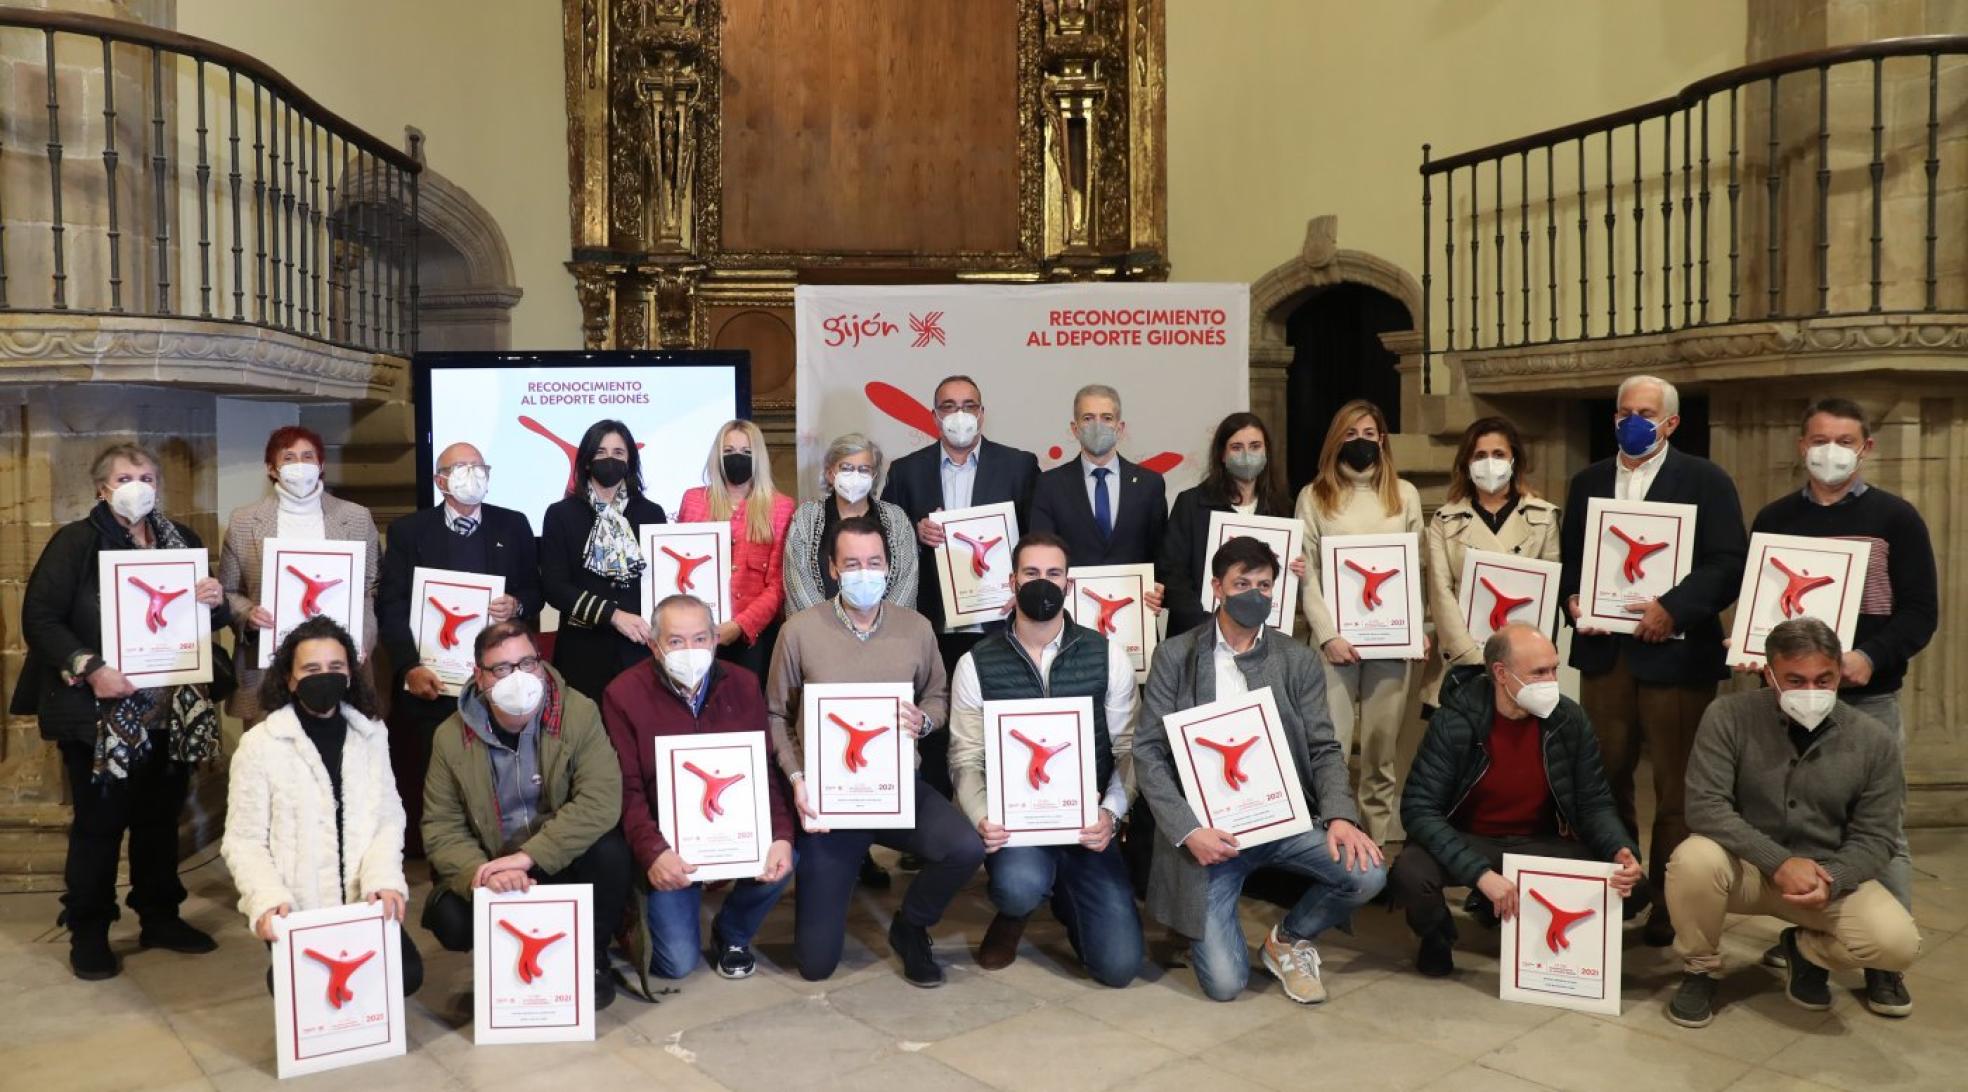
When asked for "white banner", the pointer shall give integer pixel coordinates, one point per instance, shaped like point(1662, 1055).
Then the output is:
point(870, 358)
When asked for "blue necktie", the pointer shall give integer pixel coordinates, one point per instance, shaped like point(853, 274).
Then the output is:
point(1103, 509)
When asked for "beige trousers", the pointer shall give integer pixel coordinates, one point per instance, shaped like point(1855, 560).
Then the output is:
point(1368, 699)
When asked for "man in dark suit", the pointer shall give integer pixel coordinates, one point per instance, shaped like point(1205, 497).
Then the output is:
point(1109, 511)
point(960, 470)
point(1651, 687)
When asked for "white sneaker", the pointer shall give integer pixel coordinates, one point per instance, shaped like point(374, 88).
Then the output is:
point(1296, 967)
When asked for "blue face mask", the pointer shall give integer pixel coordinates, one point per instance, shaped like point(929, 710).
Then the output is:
point(1637, 436)
point(863, 588)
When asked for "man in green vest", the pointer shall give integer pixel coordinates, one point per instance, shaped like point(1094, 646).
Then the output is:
point(1045, 654)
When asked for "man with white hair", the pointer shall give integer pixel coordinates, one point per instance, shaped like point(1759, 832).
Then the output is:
point(1651, 687)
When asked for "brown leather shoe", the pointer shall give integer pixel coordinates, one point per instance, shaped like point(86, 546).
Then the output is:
point(1000, 946)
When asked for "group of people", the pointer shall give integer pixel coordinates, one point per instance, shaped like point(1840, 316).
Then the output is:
point(1786, 800)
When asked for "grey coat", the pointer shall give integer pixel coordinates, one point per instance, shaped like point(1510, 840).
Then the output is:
point(1183, 676)
point(239, 573)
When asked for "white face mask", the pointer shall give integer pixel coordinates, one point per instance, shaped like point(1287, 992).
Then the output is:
point(518, 694)
point(299, 479)
point(1831, 464)
point(863, 588)
point(853, 486)
point(1490, 475)
point(959, 429)
point(133, 500)
point(1537, 698)
point(468, 484)
point(1808, 708)
point(688, 666)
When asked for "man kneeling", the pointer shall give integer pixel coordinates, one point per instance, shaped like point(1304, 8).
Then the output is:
point(1794, 802)
point(1507, 766)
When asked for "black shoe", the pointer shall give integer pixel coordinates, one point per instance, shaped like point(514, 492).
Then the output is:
point(873, 876)
point(1810, 984)
point(1774, 956)
point(89, 955)
point(909, 862)
point(1436, 959)
point(173, 934)
point(1886, 993)
point(919, 965)
point(1637, 903)
point(604, 989)
point(1693, 1005)
point(1659, 930)
point(1479, 907)
point(736, 961)
point(999, 948)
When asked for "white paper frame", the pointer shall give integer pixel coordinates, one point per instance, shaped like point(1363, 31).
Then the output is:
point(1389, 627)
point(1269, 802)
point(877, 796)
point(1133, 626)
point(1065, 798)
point(970, 598)
point(1583, 974)
point(557, 1006)
point(373, 1015)
point(707, 544)
point(1486, 575)
point(178, 653)
point(1286, 537)
point(460, 593)
point(725, 832)
point(1606, 585)
point(319, 559)
point(1762, 603)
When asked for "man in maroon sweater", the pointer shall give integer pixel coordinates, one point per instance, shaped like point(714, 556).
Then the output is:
point(686, 690)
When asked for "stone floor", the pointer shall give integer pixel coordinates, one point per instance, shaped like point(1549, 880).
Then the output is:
point(180, 1022)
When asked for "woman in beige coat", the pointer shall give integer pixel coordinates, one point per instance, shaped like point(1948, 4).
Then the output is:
point(1490, 507)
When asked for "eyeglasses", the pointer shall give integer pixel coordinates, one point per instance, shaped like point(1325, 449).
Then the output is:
point(487, 467)
point(953, 407)
point(500, 671)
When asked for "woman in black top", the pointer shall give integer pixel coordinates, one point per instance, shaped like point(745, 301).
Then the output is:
point(591, 561)
point(1242, 477)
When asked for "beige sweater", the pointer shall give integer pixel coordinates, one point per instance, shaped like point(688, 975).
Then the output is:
point(816, 646)
point(1531, 531)
point(1360, 513)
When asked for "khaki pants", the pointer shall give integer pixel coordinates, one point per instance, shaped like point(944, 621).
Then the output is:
point(1627, 713)
point(1864, 928)
point(1371, 696)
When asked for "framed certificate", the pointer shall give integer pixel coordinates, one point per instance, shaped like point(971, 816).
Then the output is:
point(1501, 589)
point(1563, 947)
point(533, 965)
point(687, 559)
point(447, 611)
point(1372, 588)
point(860, 764)
point(1794, 576)
point(1112, 600)
point(974, 563)
point(1634, 551)
point(337, 988)
point(154, 630)
point(300, 578)
point(1286, 537)
point(1039, 769)
point(715, 802)
point(1237, 770)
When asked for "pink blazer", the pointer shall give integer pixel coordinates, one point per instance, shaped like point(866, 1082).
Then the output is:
point(757, 585)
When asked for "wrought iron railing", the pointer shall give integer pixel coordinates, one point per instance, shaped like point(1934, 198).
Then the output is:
point(304, 222)
point(1803, 186)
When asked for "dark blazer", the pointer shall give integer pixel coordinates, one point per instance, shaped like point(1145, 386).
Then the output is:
point(915, 484)
point(422, 540)
point(1060, 505)
point(587, 649)
point(1721, 548)
point(1180, 568)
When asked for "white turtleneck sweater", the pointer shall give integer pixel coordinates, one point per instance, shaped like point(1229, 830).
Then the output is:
point(300, 518)
point(1360, 513)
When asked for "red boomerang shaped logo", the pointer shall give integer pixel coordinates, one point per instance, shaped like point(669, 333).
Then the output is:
point(1035, 770)
point(159, 599)
point(447, 637)
point(857, 743)
point(686, 568)
point(567, 449)
point(311, 599)
point(1233, 759)
point(714, 787)
point(979, 550)
point(1108, 609)
point(1561, 920)
point(339, 971)
point(1500, 611)
point(1792, 600)
point(529, 951)
point(1637, 553)
point(1370, 591)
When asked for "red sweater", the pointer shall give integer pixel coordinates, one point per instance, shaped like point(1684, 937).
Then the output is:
point(1513, 797)
point(639, 706)
point(758, 586)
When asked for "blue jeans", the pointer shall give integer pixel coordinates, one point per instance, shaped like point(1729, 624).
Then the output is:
point(677, 944)
point(1091, 897)
point(1220, 956)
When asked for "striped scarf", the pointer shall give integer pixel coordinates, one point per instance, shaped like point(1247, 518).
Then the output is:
point(612, 550)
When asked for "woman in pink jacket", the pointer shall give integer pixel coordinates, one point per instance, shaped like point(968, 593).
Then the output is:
point(738, 489)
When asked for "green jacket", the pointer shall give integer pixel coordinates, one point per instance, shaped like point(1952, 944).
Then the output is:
point(581, 785)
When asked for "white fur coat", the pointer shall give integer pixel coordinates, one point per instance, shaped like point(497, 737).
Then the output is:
point(280, 818)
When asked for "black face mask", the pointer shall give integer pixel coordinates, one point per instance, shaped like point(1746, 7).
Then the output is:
point(737, 468)
point(1360, 454)
point(322, 694)
point(1040, 600)
point(608, 473)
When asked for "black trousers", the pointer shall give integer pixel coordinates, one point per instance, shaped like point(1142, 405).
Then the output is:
point(145, 805)
point(935, 747)
point(607, 865)
point(413, 965)
point(827, 867)
point(1415, 882)
point(753, 656)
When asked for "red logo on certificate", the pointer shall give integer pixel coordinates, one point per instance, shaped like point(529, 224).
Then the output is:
point(339, 971)
point(1801, 583)
point(159, 599)
point(1035, 770)
point(855, 757)
point(311, 595)
point(1500, 611)
point(530, 948)
point(1370, 591)
point(1233, 759)
point(1561, 922)
point(686, 568)
point(447, 637)
point(1108, 609)
point(980, 549)
point(1637, 552)
point(714, 787)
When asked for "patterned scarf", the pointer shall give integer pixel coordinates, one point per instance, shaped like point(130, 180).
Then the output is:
point(612, 550)
point(125, 727)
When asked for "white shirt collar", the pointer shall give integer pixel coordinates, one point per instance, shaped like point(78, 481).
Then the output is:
point(1223, 643)
point(1651, 462)
point(452, 515)
point(1088, 466)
